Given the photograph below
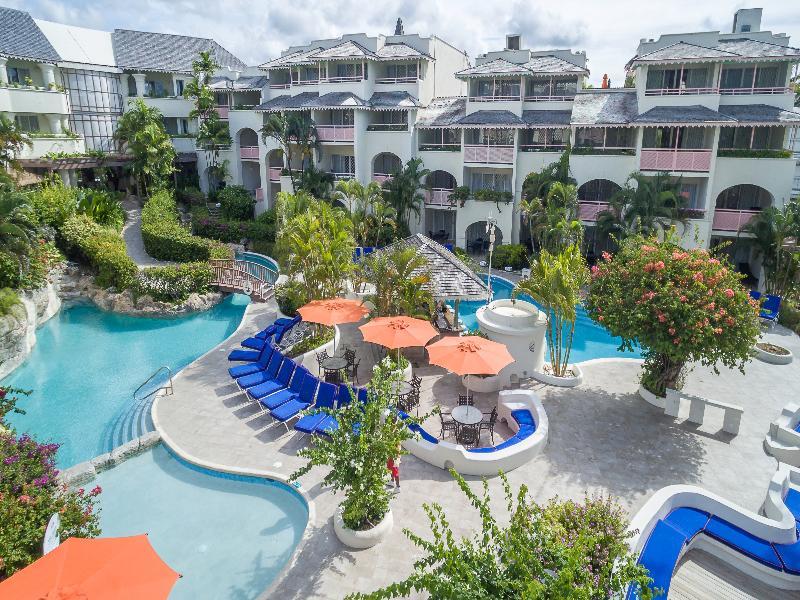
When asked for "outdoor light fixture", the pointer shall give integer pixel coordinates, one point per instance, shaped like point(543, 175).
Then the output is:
point(491, 223)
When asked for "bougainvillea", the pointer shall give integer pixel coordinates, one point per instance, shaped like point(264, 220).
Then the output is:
point(682, 306)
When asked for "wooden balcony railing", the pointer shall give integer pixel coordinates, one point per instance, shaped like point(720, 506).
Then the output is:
point(550, 98)
point(516, 98)
point(668, 159)
point(438, 197)
point(732, 220)
point(280, 86)
point(381, 177)
point(385, 80)
point(248, 152)
point(222, 111)
point(588, 209)
point(489, 154)
point(755, 90)
point(335, 133)
point(275, 173)
point(342, 176)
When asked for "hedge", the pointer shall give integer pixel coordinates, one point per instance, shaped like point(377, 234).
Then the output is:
point(510, 255)
point(102, 248)
point(174, 283)
point(166, 239)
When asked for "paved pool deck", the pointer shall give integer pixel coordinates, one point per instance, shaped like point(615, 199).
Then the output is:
point(603, 439)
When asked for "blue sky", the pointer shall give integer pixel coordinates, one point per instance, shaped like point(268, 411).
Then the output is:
point(255, 30)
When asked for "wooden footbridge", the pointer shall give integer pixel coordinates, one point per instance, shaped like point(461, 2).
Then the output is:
point(244, 277)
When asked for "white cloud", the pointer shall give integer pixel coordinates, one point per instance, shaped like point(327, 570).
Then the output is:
point(255, 30)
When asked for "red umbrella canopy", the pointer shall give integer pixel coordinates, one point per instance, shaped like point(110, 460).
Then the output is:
point(333, 311)
point(469, 355)
point(398, 332)
point(125, 568)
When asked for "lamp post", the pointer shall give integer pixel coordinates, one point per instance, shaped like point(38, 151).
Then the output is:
point(491, 223)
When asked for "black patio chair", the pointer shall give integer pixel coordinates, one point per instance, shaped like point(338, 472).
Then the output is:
point(321, 356)
point(468, 436)
point(488, 424)
point(448, 425)
point(464, 400)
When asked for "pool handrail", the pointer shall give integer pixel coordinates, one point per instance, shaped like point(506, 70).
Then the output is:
point(167, 389)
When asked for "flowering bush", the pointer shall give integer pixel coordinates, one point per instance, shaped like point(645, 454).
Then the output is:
point(174, 283)
point(103, 248)
point(681, 306)
point(29, 495)
point(9, 397)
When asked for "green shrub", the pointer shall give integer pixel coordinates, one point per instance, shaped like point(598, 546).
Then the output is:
point(44, 256)
point(174, 283)
point(311, 342)
point(790, 316)
point(102, 248)
point(192, 196)
point(236, 203)
point(102, 206)
point(54, 203)
point(166, 239)
point(265, 227)
point(8, 300)
point(9, 270)
point(290, 296)
point(510, 255)
point(260, 247)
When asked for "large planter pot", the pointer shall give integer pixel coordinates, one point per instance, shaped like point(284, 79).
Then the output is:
point(361, 539)
point(651, 398)
point(550, 379)
point(482, 385)
point(773, 358)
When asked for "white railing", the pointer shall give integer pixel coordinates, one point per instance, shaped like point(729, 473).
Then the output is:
point(732, 220)
point(343, 176)
point(248, 152)
point(335, 133)
point(381, 177)
point(681, 91)
point(588, 209)
point(305, 82)
point(275, 173)
point(396, 80)
point(754, 90)
point(248, 277)
point(550, 98)
point(280, 86)
point(439, 147)
point(438, 196)
point(542, 147)
point(516, 98)
point(222, 111)
point(489, 154)
point(668, 159)
point(348, 78)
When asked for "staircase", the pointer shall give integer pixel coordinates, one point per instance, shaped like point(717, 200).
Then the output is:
point(244, 277)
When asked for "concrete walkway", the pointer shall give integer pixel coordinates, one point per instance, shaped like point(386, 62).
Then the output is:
point(132, 234)
point(603, 439)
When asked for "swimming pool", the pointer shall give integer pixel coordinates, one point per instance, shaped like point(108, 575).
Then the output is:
point(87, 363)
point(591, 340)
point(228, 535)
point(260, 259)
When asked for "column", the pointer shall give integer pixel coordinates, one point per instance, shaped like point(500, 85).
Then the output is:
point(139, 78)
point(48, 75)
point(54, 121)
point(3, 72)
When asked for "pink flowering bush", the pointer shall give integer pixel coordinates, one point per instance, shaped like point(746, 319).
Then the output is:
point(29, 495)
point(681, 306)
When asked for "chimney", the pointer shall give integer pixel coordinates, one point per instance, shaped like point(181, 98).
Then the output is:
point(746, 20)
point(398, 28)
point(513, 41)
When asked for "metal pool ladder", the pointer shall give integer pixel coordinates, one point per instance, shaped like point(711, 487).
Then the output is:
point(167, 388)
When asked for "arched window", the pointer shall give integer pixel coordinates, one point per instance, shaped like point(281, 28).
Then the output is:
point(386, 163)
point(441, 180)
point(744, 196)
point(597, 190)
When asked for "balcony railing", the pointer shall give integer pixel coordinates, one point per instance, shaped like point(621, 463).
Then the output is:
point(550, 98)
point(440, 147)
point(259, 195)
point(668, 159)
point(542, 147)
point(732, 220)
point(387, 127)
point(335, 133)
point(275, 173)
point(343, 176)
point(588, 209)
point(280, 86)
point(345, 79)
point(755, 90)
point(489, 154)
point(681, 91)
point(609, 150)
point(381, 177)
point(248, 152)
point(516, 98)
point(385, 80)
point(222, 111)
point(305, 82)
point(438, 197)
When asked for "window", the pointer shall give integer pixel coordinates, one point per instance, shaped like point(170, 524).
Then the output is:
point(183, 126)
point(341, 117)
point(391, 117)
point(350, 70)
point(513, 42)
point(490, 137)
point(674, 137)
point(18, 74)
point(691, 192)
point(387, 163)
point(493, 88)
point(343, 164)
point(403, 71)
point(681, 78)
point(154, 89)
point(500, 182)
point(440, 139)
point(756, 138)
point(179, 87)
point(545, 88)
point(27, 122)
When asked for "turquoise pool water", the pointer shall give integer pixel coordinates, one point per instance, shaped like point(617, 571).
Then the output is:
point(87, 363)
point(259, 259)
point(229, 536)
point(591, 340)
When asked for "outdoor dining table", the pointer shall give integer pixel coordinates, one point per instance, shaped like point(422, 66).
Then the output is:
point(402, 388)
point(334, 365)
point(466, 415)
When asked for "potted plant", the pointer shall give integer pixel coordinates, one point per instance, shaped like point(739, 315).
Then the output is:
point(772, 353)
point(681, 306)
point(368, 435)
point(555, 282)
point(461, 194)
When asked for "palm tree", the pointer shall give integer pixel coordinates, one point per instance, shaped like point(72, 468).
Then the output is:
point(553, 220)
point(17, 223)
point(401, 278)
point(404, 191)
point(537, 185)
point(371, 215)
point(292, 130)
point(12, 141)
point(646, 205)
point(775, 235)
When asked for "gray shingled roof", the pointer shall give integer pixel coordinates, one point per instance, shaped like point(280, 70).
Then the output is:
point(150, 51)
point(605, 107)
point(451, 279)
point(725, 50)
point(546, 118)
point(758, 49)
point(286, 102)
point(491, 118)
point(348, 49)
point(243, 84)
point(442, 112)
point(336, 100)
point(393, 101)
point(399, 51)
point(553, 64)
point(20, 37)
point(688, 115)
point(748, 114)
point(298, 57)
point(537, 65)
point(499, 66)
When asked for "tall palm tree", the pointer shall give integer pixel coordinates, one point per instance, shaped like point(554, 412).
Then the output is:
point(775, 235)
point(12, 141)
point(537, 184)
point(552, 220)
point(404, 191)
point(646, 205)
point(401, 278)
point(293, 132)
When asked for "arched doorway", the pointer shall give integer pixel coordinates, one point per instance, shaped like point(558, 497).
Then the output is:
point(440, 184)
point(476, 239)
point(385, 165)
point(598, 190)
point(744, 197)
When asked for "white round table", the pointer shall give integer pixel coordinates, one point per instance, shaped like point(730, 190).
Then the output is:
point(466, 415)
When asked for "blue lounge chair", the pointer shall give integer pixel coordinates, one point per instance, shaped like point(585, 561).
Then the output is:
point(329, 424)
point(258, 341)
point(771, 308)
point(287, 321)
point(368, 250)
point(326, 397)
point(280, 381)
point(275, 399)
point(289, 410)
point(449, 247)
point(259, 390)
point(269, 331)
point(357, 254)
point(253, 367)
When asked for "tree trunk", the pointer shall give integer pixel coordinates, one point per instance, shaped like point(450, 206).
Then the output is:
point(661, 372)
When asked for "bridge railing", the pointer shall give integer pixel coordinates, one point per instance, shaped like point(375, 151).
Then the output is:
point(244, 276)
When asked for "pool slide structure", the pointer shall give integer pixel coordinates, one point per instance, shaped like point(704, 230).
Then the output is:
point(679, 518)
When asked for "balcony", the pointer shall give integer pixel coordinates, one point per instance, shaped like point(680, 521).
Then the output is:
point(343, 176)
point(732, 220)
point(305, 82)
point(222, 111)
point(542, 147)
point(43, 145)
point(755, 90)
point(588, 210)
point(489, 154)
point(395, 80)
point(280, 86)
point(381, 178)
point(440, 147)
point(551, 98)
point(31, 100)
point(335, 133)
point(681, 91)
point(753, 153)
point(248, 152)
point(438, 197)
point(183, 142)
point(344, 79)
point(668, 159)
point(275, 174)
point(495, 98)
point(607, 150)
point(387, 127)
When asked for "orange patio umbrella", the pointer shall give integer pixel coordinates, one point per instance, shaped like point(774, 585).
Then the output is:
point(469, 355)
point(333, 311)
point(125, 568)
point(398, 332)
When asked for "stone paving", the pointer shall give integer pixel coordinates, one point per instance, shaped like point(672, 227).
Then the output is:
point(132, 234)
point(603, 439)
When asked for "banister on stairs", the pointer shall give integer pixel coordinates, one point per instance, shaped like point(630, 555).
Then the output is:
point(245, 277)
